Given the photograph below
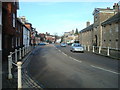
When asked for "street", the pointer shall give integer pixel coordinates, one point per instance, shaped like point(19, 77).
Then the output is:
point(53, 66)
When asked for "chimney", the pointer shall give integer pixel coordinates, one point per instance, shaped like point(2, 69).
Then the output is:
point(116, 7)
point(87, 23)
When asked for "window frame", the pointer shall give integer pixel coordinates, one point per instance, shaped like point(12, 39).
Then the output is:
point(13, 20)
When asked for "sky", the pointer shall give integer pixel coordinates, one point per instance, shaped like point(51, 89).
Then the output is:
point(59, 17)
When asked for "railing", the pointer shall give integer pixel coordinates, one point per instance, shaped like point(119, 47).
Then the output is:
point(15, 59)
point(107, 51)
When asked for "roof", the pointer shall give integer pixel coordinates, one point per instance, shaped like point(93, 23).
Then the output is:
point(115, 18)
point(87, 28)
point(107, 10)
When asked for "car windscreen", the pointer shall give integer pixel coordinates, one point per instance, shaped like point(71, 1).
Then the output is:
point(77, 45)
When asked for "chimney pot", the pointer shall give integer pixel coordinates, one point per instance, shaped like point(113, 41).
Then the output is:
point(87, 23)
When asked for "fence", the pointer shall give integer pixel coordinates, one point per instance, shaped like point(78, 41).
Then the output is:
point(107, 51)
point(14, 60)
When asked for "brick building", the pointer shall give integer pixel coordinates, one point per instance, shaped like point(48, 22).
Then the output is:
point(9, 29)
point(19, 34)
point(86, 32)
point(50, 38)
point(93, 34)
point(42, 37)
point(110, 31)
point(31, 29)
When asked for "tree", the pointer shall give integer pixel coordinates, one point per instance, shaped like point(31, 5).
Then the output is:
point(62, 38)
point(76, 32)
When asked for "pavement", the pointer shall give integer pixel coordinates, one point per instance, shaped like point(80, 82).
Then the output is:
point(27, 81)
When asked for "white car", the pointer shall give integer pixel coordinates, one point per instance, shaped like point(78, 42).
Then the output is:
point(63, 44)
point(76, 47)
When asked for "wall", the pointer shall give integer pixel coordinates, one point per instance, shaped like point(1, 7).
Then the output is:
point(110, 35)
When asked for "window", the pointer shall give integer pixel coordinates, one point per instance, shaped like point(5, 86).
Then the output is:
point(0, 15)
point(12, 42)
point(13, 19)
point(16, 41)
point(14, 2)
point(0, 39)
point(116, 27)
point(19, 41)
point(96, 19)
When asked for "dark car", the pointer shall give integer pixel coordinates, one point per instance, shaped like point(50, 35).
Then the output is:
point(41, 43)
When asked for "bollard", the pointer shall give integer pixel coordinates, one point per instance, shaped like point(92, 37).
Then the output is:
point(85, 47)
point(93, 49)
point(19, 75)
point(99, 49)
point(108, 51)
point(88, 48)
point(9, 67)
point(16, 55)
point(11, 59)
point(19, 53)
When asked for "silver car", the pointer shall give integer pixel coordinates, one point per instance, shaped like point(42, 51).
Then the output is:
point(77, 47)
point(63, 44)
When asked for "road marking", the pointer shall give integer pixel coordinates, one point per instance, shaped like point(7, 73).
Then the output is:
point(75, 59)
point(104, 69)
point(64, 54)
point(59, 50)
point(68, 56)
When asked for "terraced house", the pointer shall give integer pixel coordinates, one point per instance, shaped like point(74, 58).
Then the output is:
point(9, 28)
point(104, 31)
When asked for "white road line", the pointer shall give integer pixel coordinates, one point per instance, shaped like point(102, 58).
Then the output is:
point(104, 69)
point(59, 50)
point(75, 59)
point(64, 54)
point(69, 56)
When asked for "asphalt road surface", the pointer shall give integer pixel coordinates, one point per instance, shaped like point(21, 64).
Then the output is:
point(53, 66)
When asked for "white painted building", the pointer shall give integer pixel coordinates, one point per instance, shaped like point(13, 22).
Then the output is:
point(0, 26)
point(26, 36)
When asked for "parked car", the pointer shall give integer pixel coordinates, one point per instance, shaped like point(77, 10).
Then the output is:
point(76, 47)
point(63, 44)
point(41, 43)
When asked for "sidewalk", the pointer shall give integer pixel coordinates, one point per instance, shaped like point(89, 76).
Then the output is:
point(27, 81)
